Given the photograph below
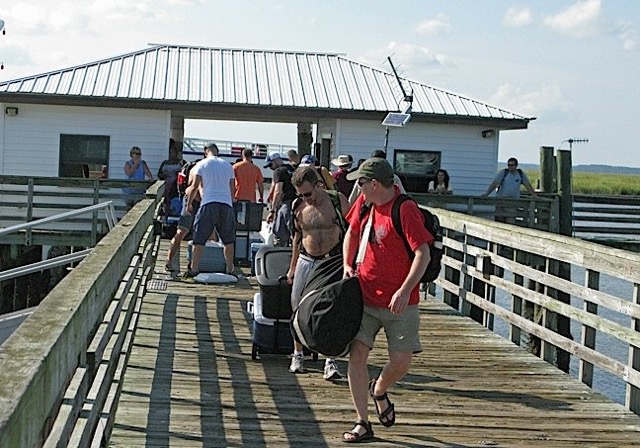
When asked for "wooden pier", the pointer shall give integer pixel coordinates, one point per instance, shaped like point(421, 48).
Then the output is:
point(190, 382)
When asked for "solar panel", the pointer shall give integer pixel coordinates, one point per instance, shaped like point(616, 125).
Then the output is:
point(396, 119)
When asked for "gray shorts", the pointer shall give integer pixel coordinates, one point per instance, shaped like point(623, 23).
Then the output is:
point(401, 330)
point(186, 221)
point(218, 216)
point(303, 268)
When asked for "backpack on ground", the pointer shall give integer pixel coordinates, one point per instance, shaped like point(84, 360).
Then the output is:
point(431, 223)
point(183, 177)
point(330, 311)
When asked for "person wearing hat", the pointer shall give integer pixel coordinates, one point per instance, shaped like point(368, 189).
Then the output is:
point(355, 192)
point(343, 185)
point(324, 176)
point(281, 196)
point(390, 290)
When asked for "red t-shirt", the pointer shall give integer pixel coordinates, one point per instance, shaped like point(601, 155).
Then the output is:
point(386, 262)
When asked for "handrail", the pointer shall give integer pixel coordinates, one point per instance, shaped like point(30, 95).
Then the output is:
point(110, 216)
point(44, 264)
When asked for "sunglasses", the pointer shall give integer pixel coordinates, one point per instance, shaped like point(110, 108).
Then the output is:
point(306, 195)
point(361, 182)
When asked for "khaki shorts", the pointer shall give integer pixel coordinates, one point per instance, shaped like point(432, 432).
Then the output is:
point(401, 329)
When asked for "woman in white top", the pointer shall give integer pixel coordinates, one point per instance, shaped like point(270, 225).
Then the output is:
point(441, 184)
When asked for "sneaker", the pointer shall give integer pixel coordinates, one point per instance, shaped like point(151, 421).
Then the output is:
point(190, 274)
point(331, 371)
point(169, 267)
point(297, 364)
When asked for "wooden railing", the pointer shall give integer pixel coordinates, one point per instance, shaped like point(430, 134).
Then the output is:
point(59, 366)
point(521, 278)
point(606, 216)
point(536, 213)
point(24, 199)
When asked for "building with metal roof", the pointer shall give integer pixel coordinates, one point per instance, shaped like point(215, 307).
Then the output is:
point(144, 97)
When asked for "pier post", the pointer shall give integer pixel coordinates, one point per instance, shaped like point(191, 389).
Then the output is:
point(560, 268)
point(547, 170)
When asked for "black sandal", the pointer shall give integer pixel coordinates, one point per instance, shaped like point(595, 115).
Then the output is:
point(384, 418)
point(357, 437)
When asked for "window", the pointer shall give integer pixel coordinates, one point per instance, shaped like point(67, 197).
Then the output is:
point(416, 168)
point(84, 156)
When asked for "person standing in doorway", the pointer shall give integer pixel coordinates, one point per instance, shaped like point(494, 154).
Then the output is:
point(248, 178)
point(213, 178)
point(389, 279)
point(318, 230)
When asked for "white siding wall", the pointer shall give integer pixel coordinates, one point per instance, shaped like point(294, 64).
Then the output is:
point(30, 141)
point(470, 160)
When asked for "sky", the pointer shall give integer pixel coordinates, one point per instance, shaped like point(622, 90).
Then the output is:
point(573, 65)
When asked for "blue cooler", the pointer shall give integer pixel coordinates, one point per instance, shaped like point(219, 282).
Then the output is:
point(212, 258)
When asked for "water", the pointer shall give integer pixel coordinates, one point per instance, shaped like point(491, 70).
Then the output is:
point(603, 382)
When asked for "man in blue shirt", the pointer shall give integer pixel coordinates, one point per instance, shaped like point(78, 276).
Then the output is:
point(508, 181)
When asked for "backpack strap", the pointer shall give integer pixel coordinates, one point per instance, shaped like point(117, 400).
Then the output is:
point(397, 222)
point(335, 200)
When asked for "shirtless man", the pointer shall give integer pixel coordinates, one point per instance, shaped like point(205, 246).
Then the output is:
point(318, 234)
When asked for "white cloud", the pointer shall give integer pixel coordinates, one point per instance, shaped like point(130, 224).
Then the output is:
point(79, 17)
point(409, 59)
point(581, 19)
point(549, 97)
point(517, 17)
point(629, 36)
point(434, 26)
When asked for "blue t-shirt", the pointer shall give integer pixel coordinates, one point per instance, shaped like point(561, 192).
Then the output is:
point(510, 186)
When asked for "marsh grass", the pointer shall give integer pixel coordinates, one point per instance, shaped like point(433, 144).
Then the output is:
point(599, 183)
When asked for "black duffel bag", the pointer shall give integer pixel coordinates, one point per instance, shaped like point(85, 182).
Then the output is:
point(330, 311)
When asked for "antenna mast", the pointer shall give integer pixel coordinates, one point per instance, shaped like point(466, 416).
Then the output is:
point(407, 98)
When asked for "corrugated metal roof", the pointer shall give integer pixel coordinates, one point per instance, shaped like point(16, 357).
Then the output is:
point(249, 77)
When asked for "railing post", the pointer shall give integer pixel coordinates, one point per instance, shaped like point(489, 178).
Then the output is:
point(30, 190)
point(633, 393)
point(585, 369)
point(564, 191)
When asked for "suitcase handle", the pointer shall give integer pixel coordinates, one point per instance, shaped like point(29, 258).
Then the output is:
point(250, 308)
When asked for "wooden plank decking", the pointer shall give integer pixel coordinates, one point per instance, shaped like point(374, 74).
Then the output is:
point(190, 382)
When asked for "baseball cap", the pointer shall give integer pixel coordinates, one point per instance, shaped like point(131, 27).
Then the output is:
point(307, 160)
point(373, 168)
point(271, 158)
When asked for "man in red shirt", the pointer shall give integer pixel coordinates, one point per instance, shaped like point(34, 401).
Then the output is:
point(389, 279)
point(248, 176)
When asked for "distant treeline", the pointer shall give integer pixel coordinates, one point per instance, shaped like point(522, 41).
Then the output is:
point(604, 169)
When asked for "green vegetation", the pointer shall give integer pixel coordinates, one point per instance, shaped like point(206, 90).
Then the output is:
point(599, 183)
